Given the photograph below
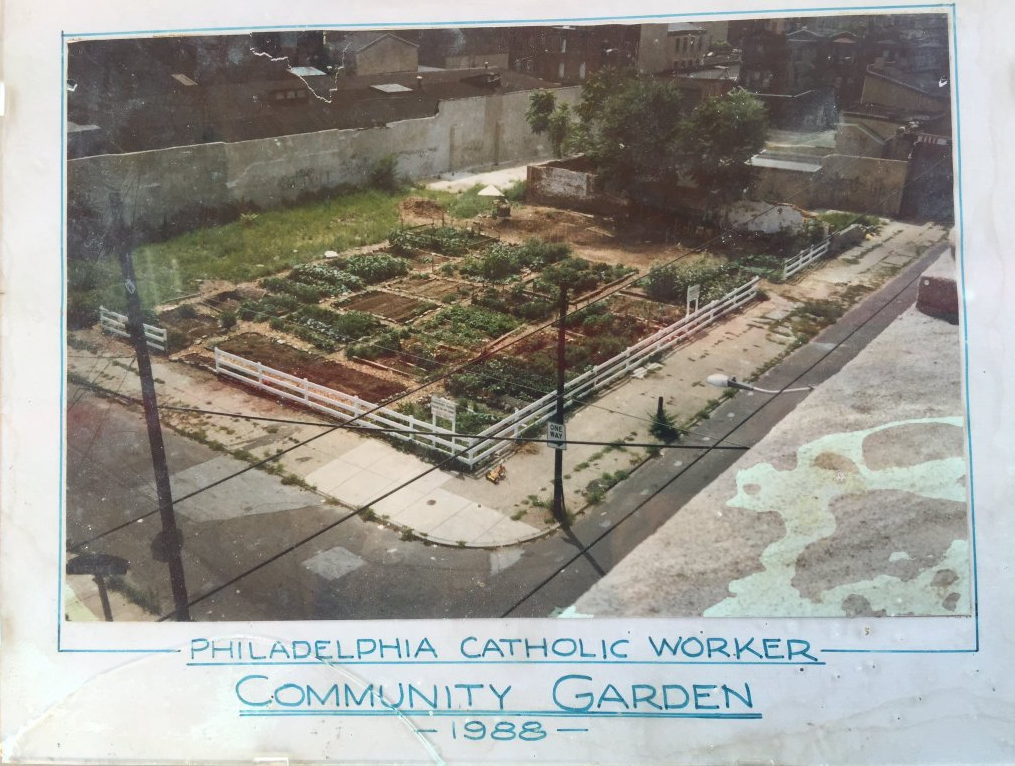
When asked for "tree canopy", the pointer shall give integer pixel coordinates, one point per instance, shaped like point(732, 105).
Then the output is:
point(627, 125)
point(635, 130)
point(718, 139)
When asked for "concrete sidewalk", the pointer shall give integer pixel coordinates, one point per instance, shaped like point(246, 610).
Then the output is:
point(459, 510)
point(501, 177)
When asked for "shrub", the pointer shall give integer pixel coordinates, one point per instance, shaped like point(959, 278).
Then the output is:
point(227, 319)
point(469, 204)
point(664, 427)
point(515, 192)
point(669, 282)
point(837, 221)
point(384, 174)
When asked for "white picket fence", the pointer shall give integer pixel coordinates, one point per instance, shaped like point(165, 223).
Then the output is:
point(805, 258)
point(116, 324)
point(474, 450)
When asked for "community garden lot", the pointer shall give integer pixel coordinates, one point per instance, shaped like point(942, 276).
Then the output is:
point(395, 298)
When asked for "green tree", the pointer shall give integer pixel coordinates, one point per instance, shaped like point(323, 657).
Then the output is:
point(559, 129)
point(628, 125)
point(541, 106)
point(545, 115)
point(717, 141)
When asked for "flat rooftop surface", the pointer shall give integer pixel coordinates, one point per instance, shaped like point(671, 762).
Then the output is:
point(855, 504)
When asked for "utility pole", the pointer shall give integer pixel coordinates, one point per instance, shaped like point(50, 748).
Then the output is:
point(559, 512)
point(168, 543)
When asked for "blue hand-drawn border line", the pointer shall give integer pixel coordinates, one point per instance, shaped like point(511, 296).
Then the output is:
point(949, 7)
point(398, 713)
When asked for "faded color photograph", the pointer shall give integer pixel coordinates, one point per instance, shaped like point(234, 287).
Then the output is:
point(611, 320)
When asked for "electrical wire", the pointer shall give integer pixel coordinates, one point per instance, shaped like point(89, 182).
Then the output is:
point(410, 392)
point(586, 548)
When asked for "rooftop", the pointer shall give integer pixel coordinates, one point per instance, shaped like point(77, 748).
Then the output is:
point(283, 104)
point(800, 525)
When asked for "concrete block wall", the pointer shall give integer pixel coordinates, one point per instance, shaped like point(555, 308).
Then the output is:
point(167, 191)
point(859, 184)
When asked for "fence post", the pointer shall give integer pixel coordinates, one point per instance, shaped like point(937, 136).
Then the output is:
point(306, 390)
point(260, 374)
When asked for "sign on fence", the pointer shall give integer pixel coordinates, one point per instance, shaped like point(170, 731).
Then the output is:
point(443, 408)
point(692, 295)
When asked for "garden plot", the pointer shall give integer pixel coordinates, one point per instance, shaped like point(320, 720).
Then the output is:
point(375, 324)
point(391, 306)
point(527, 370)
point(312, 367)
point(431, 287)
point(186, 324)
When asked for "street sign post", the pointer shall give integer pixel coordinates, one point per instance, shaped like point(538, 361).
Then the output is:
point(555, 435)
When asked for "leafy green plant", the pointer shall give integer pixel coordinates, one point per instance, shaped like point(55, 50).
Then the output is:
point(267, 307)
point(469, 324)
point(378, 267)
point(303, 293)
point(669, 282)
point(327, 277)
point(664, 427)
point(328, 327)
point(447, 240)
point(837, 221)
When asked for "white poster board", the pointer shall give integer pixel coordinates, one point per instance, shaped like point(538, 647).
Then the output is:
point(668, 689)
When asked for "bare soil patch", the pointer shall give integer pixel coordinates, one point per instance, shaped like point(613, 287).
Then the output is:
point(435, 288)
point(633, 305)
point(349, 380)
point(397, 308)
point(185, 326)
point(415, 210)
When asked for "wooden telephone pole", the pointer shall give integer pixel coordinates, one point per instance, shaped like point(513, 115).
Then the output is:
point(168, 543)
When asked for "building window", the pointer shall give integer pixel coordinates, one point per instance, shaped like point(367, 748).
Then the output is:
point(563, 45)
point(560, 71)
point(581, 71)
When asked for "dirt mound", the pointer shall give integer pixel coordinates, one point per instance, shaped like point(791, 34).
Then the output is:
point(556, 226)
point(421, 210)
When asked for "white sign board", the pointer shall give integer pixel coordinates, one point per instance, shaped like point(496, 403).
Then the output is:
point(692, 297)
point(443, 408)
point(556, 436)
